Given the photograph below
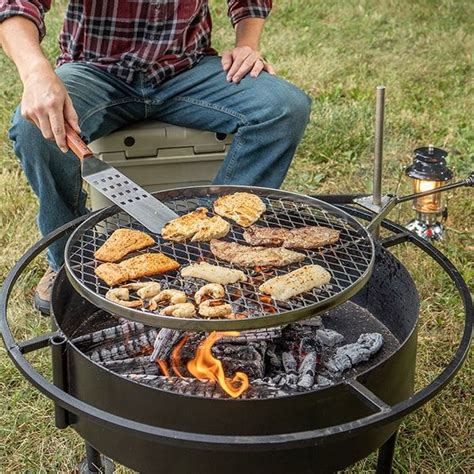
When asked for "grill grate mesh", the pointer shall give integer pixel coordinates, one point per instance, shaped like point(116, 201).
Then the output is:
point(347, 260)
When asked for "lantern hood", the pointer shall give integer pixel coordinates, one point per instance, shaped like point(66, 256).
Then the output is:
point(429, 163)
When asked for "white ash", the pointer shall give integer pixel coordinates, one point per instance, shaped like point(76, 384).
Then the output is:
point(323, 381)
point(328, 337)
point(307, 371)
point(351, 354)
point(314, 321)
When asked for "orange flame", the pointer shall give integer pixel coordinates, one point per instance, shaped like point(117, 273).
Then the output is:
point(206, 367)
point(163, 366)
point(176, 356)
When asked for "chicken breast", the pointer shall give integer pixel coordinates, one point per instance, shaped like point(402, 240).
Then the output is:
point(254, 256)
point(195, 226)
point(243, 208)
point(304, 279)
point(307, 237)
point(121, 243)
point(147, 264)
point(213, 273)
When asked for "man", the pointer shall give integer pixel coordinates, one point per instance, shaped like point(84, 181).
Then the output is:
point(129, 60)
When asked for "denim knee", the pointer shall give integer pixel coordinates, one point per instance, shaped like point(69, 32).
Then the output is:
point(295, 109)
point(286, 106)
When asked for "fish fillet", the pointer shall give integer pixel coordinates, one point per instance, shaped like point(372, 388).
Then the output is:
point(121, 243)
point(196, 226)
point(243, 208)
point(147, 264)
point(213, 273)
point(304, 279)
point(307, 237)
point(246, 256)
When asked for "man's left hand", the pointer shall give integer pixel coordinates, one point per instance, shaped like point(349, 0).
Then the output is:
point(242, 60)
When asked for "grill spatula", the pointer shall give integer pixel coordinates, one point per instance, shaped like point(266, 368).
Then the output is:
point(119, 189)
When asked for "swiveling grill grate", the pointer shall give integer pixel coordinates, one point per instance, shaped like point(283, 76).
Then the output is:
point(349, 261)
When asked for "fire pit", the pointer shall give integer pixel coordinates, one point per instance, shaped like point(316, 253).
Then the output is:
point(322, 393)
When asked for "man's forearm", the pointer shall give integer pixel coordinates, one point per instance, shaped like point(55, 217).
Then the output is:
point(45, 100)
point(248, 32)
point(19, 39)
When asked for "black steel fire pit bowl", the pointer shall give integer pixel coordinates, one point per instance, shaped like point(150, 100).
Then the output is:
point(323, 430)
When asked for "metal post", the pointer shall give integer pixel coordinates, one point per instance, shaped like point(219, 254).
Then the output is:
point(378, 154)
point(94, 462)
point(385, 457)
point(58, 345)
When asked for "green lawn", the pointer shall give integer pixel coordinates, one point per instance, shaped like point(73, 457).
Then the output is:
point(338, 52)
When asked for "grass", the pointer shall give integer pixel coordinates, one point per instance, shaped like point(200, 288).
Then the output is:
point(338, 52)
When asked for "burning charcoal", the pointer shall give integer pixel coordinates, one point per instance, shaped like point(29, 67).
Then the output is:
point(128, 347)
point(115, 335)
point(307, 371)
point(273, 358)
point(252, 335)
point(308, 344)
point(136, 365)
point(288, 380)
point(289, 363)
point(247, 358)
point(352, 354)
point(164, 342)
point(188, 350)
point(315, 321)
point(328, 337)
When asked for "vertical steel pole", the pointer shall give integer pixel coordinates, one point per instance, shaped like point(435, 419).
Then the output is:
point(58, 345)
point(385, 457)
point(378, 155)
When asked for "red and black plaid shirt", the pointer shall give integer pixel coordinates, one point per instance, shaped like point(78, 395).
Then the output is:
point(157, 37)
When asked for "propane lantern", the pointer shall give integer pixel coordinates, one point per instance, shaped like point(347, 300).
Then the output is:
point(429, 171)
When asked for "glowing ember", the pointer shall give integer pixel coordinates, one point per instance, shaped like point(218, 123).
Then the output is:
point(176, 357)
point(206, 367)
point(163, 366)
point(267, 306)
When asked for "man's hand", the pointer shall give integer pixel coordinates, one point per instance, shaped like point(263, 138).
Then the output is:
point(47, 104)
point(45, 100)
point(242, 60)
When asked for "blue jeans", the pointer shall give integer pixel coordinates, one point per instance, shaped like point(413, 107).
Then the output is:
point(267, 116)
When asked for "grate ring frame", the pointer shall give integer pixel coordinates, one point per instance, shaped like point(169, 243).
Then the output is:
point(350, 261)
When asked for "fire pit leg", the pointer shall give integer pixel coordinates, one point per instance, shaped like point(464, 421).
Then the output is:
point(94, 462)
point(385, 458)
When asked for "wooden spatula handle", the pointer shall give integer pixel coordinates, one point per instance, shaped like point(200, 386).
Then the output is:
point(76, 144)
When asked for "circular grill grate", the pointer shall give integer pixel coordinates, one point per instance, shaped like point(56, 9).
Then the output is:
point(349, 261)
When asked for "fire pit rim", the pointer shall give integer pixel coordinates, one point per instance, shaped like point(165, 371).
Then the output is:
point(385, 415)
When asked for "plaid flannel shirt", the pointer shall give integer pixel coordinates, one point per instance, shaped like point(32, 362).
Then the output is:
point(159, 38)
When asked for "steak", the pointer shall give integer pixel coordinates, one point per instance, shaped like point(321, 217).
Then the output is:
point(245, 256)
point(308, 237)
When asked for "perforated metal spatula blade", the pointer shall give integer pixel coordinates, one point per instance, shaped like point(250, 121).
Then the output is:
point(119, 189)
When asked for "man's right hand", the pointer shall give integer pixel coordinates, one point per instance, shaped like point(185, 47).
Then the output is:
point(45, 100)
point(47, 104)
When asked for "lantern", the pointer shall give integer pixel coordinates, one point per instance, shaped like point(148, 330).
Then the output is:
point(429, 171)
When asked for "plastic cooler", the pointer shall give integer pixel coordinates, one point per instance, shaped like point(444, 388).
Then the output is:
point(159, 156)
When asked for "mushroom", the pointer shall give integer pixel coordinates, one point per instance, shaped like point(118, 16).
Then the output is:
point(180, 310)
point(122, 296)
point(215, 290)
